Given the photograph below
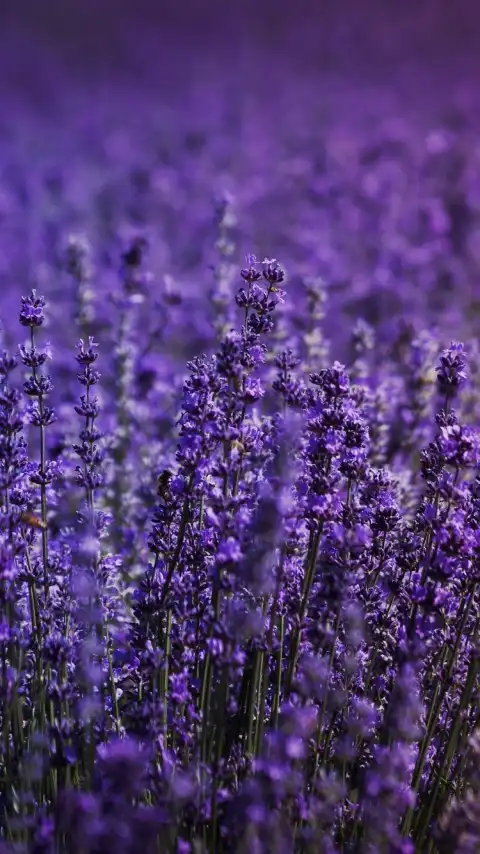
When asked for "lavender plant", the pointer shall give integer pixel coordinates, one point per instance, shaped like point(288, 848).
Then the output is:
point(293, 665)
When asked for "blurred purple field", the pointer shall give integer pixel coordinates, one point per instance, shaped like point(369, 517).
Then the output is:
point(321, 122)
point(345, 136)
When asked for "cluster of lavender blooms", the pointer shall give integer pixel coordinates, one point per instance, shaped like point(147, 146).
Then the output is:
point(239, 610)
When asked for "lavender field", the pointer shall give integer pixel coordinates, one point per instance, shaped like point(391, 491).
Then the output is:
point(239, 433)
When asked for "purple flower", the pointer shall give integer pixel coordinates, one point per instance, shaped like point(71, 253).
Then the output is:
point(31, 313)
point(451, 372)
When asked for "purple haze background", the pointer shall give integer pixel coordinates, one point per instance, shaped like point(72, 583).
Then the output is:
point(96, 89)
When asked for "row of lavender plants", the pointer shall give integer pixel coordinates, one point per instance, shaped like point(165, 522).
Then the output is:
point(244, 617)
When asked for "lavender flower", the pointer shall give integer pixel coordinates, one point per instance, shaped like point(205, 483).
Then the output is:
point(239, 611)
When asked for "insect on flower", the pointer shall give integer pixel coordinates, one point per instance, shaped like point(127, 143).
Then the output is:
point(163, 483)
point(31, 520)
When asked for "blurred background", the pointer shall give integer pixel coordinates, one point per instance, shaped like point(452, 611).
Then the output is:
point(162, 42)
point(345, 132)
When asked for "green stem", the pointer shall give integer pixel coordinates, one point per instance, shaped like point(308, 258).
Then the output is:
point(444, 769)
point(113, 689)
point(311, 563)
point(436, 708)
point(165, 673)
point(278, 677)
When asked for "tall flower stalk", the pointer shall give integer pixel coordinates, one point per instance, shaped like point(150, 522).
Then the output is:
point(38, 386)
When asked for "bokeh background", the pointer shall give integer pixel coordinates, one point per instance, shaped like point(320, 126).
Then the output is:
point(117, 112)
point(120, 41)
